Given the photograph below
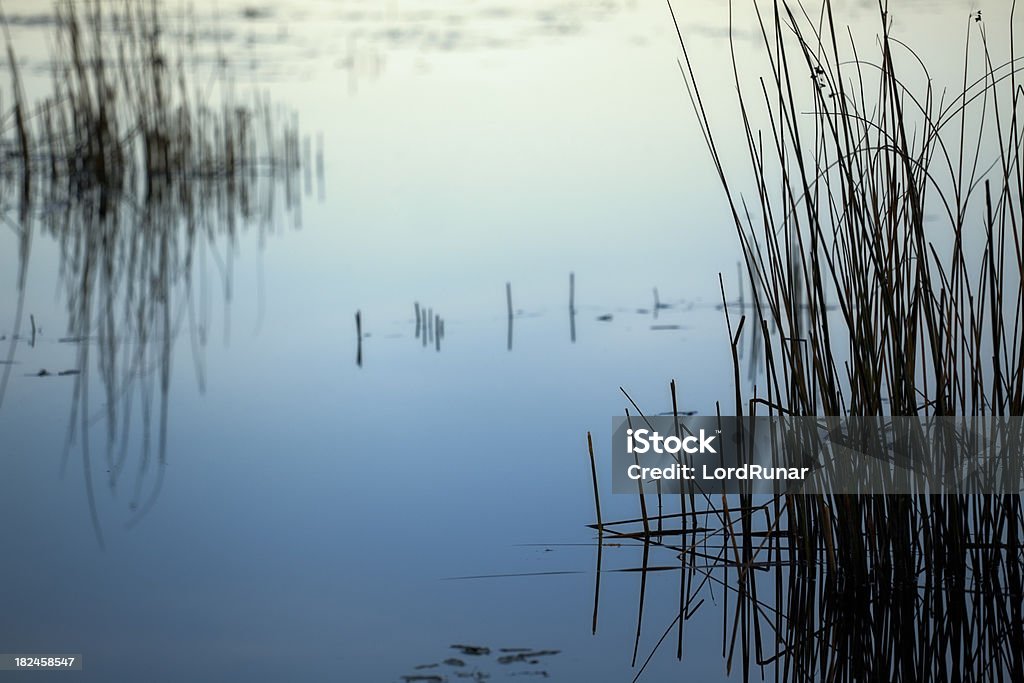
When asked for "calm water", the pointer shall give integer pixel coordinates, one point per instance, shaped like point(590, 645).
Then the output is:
point(316, 519)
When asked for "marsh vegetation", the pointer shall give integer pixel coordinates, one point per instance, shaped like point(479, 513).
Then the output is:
point(880, 220)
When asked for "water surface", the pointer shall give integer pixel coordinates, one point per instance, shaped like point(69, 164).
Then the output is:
point(314, 518)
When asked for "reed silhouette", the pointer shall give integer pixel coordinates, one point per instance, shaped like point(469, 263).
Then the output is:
point(863, 305)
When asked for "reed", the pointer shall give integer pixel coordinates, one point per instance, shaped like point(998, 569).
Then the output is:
point(864, 305)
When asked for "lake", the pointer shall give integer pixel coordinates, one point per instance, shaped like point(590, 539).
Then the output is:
point(252, 503)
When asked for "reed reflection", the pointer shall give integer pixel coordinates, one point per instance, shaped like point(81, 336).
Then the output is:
point(927, 590)
point(143, 183)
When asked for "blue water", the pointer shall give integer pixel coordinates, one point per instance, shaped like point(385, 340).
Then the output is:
point(314, 519)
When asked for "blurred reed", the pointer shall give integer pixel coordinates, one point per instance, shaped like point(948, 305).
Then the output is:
point(143, 171)
point(126, 116)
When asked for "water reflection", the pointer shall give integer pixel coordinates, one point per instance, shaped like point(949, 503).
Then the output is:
point(139, 199)
point(944, 607)
point(135, 275)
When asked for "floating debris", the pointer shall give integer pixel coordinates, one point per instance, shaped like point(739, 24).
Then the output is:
point(46, 373)
point(529, 657)
point(511, 659)
point(605, 318)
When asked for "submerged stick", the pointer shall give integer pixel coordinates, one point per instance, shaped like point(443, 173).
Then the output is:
point(572, 307)
point(508, 300)
point(359, 339)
